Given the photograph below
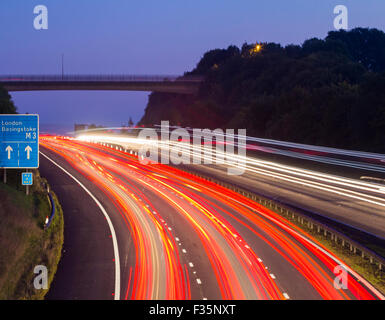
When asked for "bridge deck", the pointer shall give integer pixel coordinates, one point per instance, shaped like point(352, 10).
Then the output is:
point(160, 83)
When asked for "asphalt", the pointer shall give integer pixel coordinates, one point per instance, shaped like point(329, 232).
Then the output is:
point(361, 215)
point(86, 270)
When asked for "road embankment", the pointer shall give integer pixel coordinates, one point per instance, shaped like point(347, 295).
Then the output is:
point(24, 242)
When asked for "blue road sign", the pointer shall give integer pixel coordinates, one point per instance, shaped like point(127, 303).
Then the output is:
point(19, 141)
point(26, 179)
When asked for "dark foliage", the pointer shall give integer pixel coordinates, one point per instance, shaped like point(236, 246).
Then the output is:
point(6, 104)
point(326, 92)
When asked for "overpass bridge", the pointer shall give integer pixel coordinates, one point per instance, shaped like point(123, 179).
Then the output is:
point(156, 83)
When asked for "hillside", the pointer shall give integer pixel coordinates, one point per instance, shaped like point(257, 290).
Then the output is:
point(327, 92)
point(24, 243)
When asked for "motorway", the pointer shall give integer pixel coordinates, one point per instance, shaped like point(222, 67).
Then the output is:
point(348, 201)
point(360, 205)
point(137, 231)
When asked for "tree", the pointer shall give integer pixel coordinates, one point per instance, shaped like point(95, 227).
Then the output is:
point(130, 122)
point(365, 46)
point(326, 92)
point(6, 104)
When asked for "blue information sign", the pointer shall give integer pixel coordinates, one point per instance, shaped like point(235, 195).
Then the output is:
point(26, 179)
point(19, 141)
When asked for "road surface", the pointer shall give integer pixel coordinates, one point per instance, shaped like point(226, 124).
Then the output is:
point(353, 202)
point(138, 231)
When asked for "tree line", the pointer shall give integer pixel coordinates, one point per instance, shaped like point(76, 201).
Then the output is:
point(328, 92)
point(6, 103)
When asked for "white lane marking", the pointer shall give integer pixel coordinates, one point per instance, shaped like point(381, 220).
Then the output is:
point(259, 259)
point(114, 239)
point(177, 239)
point(184, 251)
point(286, 295)
point(331, 256)
point(199, 281)
point(272, 276)
point(204, 298)
point(191, 264)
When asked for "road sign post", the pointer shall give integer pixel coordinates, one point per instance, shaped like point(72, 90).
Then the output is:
point(27, 180)
point(19, 144)
point(19, 141)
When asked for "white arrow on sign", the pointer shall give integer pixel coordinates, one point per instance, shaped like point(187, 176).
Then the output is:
point(28, 149)
point(9, 150)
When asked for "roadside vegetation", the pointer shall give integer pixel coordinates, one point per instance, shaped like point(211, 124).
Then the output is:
point(24, 243)
point(327, 92)
point(6, 103)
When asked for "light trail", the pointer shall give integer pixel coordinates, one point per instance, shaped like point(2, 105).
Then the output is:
point(224, 223)
point(354, 189)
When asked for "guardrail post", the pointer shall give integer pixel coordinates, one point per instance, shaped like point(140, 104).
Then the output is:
point(291, 215)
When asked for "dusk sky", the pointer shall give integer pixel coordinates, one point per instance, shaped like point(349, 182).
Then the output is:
point(146, 37)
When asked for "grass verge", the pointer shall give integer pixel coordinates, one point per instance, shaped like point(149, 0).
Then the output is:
point(24, 243)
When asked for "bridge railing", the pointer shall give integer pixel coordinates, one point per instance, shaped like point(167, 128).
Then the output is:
point(101, 77)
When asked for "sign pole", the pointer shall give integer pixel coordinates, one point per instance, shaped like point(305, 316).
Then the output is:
point(19, 141)
point(19, 145)
point(27, 187)
point(62, 66)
